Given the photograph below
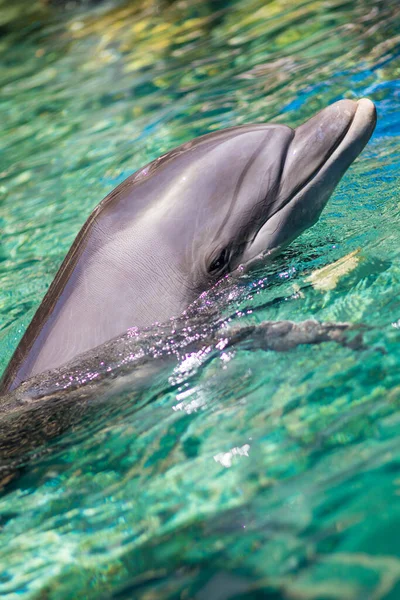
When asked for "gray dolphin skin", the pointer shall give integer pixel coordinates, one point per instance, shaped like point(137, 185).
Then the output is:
point(166, 234)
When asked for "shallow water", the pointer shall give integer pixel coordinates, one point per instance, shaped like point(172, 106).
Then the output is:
point(254, 474)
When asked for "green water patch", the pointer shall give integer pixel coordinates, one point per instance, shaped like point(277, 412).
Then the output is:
point(253, 474)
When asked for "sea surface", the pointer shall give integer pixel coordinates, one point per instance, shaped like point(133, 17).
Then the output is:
point(254, 474)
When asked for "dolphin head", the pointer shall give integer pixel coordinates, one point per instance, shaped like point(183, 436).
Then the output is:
point(166, 234)
point(279, 180)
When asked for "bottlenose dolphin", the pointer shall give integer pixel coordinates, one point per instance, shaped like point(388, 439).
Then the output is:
point(210, 207)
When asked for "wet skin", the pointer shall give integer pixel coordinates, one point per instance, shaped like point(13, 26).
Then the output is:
point(170, 231)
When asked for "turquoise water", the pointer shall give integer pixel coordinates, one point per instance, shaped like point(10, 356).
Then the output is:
point(252, 475)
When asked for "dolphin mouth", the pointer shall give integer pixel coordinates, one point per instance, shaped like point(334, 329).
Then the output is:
point(312, 170)
point(353, 133)
point(354, 137)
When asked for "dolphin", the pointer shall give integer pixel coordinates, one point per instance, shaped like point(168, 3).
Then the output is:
point(165, 235)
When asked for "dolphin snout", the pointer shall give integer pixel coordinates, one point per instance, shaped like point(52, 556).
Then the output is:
point(314, 141)
point(330, 123)
point(366, 108)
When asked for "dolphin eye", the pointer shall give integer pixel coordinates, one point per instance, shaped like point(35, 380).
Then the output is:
point(219, 263)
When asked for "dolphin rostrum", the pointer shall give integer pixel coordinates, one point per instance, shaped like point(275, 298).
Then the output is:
point(171, 230)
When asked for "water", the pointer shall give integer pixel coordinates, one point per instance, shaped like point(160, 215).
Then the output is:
point(254, 474)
